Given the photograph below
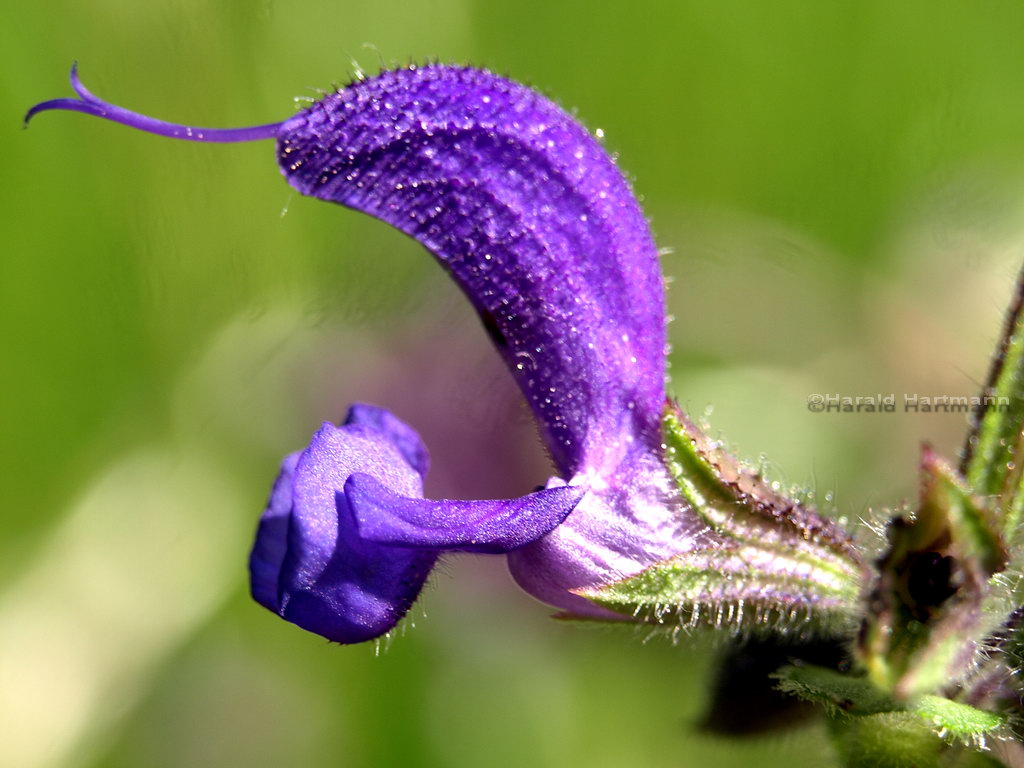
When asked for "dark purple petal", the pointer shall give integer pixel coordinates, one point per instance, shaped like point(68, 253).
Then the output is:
point(401, 435)
point(489, 527)
point(272, 539)
point(333, 454)
point(364, 590)
point(309, 564)
point(533, 220)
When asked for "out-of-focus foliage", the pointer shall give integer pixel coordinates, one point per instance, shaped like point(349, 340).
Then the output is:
point(842, 185)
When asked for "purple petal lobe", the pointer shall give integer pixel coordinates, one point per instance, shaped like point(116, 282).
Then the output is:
point(365, 589)
point(321, 472)
point(490, 527)
point(309, 563)
point(401, 435)
point(272, 539)
point(533, 220)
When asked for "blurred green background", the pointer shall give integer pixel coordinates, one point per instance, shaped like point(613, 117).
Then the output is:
point(842, 188)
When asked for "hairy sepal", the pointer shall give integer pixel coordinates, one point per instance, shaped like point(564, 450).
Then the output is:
point(874, 728)
point(993, 457)
point(927, 620)
point(767, 561)
point(992, 466)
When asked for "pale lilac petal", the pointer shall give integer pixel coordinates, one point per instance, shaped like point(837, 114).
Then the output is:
point(615, 532)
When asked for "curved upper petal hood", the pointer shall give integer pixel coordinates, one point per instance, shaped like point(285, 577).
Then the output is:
point(530, 216)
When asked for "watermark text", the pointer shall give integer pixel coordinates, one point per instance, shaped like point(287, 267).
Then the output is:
point(908, 402)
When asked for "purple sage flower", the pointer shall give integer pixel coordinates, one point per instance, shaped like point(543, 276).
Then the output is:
point(532, 218)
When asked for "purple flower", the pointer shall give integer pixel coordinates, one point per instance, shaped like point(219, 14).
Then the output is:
point(533, 220)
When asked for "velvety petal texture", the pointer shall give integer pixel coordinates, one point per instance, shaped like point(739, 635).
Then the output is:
point(530, 216)
point(399, 434)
